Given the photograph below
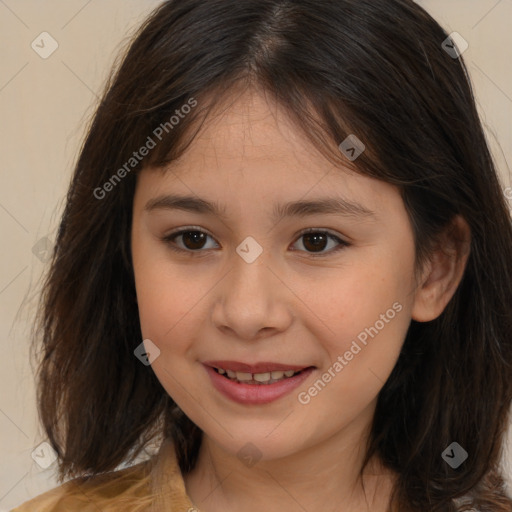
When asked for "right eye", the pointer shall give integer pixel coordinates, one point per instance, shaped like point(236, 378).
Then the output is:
point(192, 240)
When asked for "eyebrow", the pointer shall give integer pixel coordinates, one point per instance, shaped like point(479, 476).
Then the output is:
point(328, 205)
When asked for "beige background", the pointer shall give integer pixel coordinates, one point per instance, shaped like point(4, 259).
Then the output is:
point(44, 106)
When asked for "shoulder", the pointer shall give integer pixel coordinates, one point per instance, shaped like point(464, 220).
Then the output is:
point(129, 487)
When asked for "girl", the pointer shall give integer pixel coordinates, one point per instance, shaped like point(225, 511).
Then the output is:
point(286, 259)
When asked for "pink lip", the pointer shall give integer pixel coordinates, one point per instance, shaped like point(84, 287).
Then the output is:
point(253, 394)
point(262, 367)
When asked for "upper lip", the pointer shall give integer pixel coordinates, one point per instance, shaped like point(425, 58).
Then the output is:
point(263, 367)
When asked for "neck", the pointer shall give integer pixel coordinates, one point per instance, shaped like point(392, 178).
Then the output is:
point(311, 479)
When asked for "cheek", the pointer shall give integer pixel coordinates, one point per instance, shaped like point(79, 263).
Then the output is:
point(357, 298)
point(367, 313)
point(164, 303)
point(360, 357)
point(164, 296)
point(167, 309)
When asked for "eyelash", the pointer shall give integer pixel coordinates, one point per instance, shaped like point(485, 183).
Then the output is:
point(169, 240)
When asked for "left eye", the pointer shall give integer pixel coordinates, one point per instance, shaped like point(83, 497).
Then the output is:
point(193, 240)
point(318, 240)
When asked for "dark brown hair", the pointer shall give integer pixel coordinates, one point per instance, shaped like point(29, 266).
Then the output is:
point(375, 69)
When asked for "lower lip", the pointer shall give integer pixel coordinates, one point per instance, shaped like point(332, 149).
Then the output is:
point(252, 394)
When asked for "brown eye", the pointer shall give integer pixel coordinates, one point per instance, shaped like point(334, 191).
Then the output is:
point(192, 240)
point(315, 242)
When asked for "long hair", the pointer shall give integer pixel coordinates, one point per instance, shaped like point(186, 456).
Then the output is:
point(339, 67)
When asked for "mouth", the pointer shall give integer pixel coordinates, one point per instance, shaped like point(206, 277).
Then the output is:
point(257, 378)
point(255, 384)
point(260, 373)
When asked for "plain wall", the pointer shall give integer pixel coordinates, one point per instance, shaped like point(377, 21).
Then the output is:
point(44, 107)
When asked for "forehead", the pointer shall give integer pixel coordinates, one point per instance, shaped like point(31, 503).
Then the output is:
point(249, 130)
point(249, 149)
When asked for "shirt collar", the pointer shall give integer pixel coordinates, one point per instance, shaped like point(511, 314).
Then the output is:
point(167, 482)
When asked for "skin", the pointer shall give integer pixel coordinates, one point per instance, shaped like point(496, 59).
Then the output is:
point(288, 306)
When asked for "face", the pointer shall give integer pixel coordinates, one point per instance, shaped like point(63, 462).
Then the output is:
point(245, 289)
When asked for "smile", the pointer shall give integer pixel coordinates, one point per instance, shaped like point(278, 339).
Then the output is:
point(255, 384)
point(257, 378)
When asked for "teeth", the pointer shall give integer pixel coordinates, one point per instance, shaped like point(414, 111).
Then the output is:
point(262, 377)
point(267, 377)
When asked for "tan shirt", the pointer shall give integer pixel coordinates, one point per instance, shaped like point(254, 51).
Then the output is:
point(126, 490)
point(129, 489)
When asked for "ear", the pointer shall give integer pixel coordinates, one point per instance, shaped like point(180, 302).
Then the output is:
point(443, 272)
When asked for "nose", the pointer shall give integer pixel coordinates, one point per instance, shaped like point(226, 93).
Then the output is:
point(252, 301)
